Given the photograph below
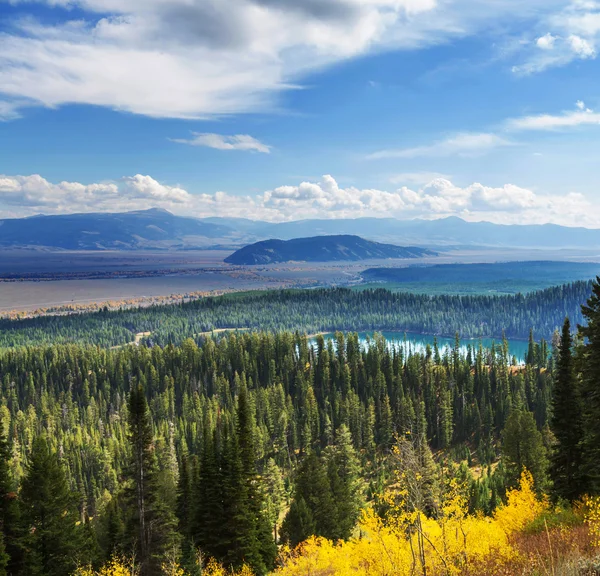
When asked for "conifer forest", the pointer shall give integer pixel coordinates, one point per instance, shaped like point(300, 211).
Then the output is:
point(235, 438)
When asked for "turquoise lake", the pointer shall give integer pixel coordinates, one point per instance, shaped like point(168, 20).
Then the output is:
point(418, 342)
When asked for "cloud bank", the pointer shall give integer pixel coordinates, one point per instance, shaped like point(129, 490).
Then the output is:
point(27, 195)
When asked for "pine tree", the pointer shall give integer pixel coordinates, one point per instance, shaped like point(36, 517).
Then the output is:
point(523, 448)
point(114, 529)
point(255, 541)
point(591, 391)
point(153, 523)
point(566, 424)
point(274, 494)
point(10, 524)
point(299, 523)
point(208, 523)
point(49, 514)
point(343, 470)
point(312, 486)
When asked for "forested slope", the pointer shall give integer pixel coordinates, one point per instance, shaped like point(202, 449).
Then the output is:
point(313, 311)
point(297, 400)
point(227, 448)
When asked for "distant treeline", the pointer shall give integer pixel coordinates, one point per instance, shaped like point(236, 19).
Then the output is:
point(313, 311)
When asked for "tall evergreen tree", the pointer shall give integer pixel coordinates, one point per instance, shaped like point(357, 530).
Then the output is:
point(255, 541)
point(343, 470)
point(274, 494)
point(566, 423)
point(523, 448)
point(49, 514)
point(153, 523)
point(208, 525)
point(313, 506)
point(591, 391)
point(7, 506)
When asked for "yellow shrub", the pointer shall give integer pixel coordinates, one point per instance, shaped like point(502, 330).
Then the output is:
point(522, 507)
point(407, 541)
point(591, 507)
point(115, 567)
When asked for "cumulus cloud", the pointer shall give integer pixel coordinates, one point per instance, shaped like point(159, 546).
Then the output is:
point(581, 116)
point(438, 198)
point(546, 42)
point(201, 58)
point(27, 195)
point(464, 144)
point(221, 142)
point(575, 36)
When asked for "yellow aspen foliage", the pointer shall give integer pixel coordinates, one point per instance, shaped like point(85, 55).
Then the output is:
point(213, 568)
point(522, 506)
point(114, 567)
point(408, 542)
point(591, 507)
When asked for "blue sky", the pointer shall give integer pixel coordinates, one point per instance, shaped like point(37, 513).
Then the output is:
point(281, 109)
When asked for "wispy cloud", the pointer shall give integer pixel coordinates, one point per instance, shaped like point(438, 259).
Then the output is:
point(462, 144)
point(571, 34)
point(190, 60)
point(581, 116)
point(222, 142)
point(416, 177)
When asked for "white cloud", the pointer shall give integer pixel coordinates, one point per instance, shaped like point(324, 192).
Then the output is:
point(464, 144)
point(199, 58)
point(546, 42)
point(416, 177)
point(27, 195)
point(582, 47)
point(575, 36)
point(8, 111)
point(440, 197)
point(221, 142)
point(582, 116)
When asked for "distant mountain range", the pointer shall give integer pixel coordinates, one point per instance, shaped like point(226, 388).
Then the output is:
point(127, 231)
point(159, 229)
point(321, 249)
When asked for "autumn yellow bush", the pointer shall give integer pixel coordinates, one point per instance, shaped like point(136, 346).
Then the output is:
point(591, 510)
point(117, 566)
point(124, 567)
point(408, 543)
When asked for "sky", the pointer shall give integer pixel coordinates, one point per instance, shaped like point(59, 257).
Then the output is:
point(288, 109)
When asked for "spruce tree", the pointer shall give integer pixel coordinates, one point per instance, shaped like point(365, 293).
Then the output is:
point(299, 523)
point(566, 423)
point(11, 555)
point(152, 522)
point(312, 486)
point(274, 494)
point(208, 525)
point(255, 540)
point(343, 470)
point(51, 539)
point(523, 448)
point(591, 391)
point(8, 516)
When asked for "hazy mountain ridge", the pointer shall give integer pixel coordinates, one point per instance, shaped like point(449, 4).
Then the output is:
point(107, 231)
point(321, 249)
point(159, 229)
